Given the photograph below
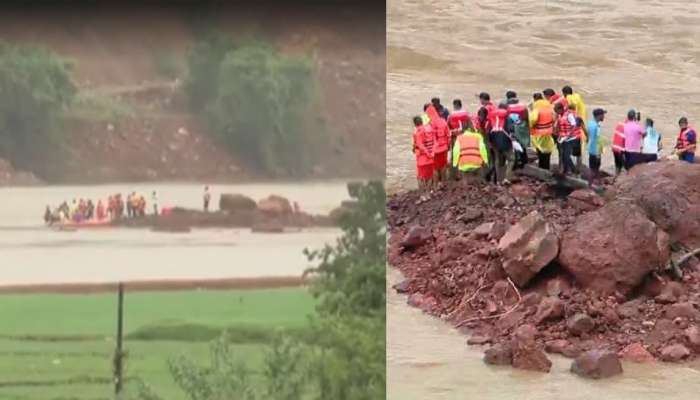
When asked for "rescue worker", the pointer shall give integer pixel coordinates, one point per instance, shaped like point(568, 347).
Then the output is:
point(100, 210)
point(594, 147)
point(206, 198)
point(457, 122)
point(686, 142)
point(423, 148)
point(518, 126)
point(442, 110)
point(565, 129)
point(470, 156)
point(541, 116)
point(553, 98)
point(618, 146)
point(651, 146)
point(576, 100)
point(485, 101)
point(154, 199)
point(577, 143)
point(502, 146)
point(634, 133)
point(442, 143)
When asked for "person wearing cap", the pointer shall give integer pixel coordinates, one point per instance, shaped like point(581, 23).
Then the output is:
point(651, 146)
point(686, 142)
point(594, 147)
point(634, 133)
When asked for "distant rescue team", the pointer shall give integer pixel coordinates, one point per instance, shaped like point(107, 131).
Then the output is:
point(490, 144)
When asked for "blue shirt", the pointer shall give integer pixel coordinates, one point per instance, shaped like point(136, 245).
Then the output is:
point(593, 137)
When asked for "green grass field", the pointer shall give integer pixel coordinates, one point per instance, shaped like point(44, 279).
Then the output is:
point(61, 346)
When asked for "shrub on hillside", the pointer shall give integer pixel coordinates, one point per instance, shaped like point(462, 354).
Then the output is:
point(35, 87)
point(257, 101)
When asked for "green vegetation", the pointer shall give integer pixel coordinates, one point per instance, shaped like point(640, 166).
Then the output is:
point(167, 64)
point(342, 355)
point(35, 87)
point(256, 101)
point(61, 346)
point(99, 108)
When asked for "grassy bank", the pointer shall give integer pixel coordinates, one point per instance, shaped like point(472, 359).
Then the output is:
point(61, 346)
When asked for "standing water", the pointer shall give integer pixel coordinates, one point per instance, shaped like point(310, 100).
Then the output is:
point(33, 253)
point(622, 54)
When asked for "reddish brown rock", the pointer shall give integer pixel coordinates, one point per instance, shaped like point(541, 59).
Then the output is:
point(636, 352)
point(483, 230)
point(597, 364)
point(692, 337)
point(585, 200)
point(477, 340)
point(670, 292)
point(470, 215)
point(613, 248)
point(666, 205)
point(498, 230)
point(232, 202)
point(532, 359)
point(681, 310)
point(498, 355)
point(629, 309)
point(558, 286)
point(522, 192)
point(580, 323)
point(556, 346)
point(524, 336)
point(531, 299)
point(550, 309)
point(674, 353)
point(527, 247)
point(403, 286)
point(456, 247)
point(423, 302)
point(276, 205)
point(415, 237)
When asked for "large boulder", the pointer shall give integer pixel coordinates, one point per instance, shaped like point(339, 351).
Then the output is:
point(527, 247)
point(276, 205)
point(233, 202)
point(669, 193)
point(597, 364)
point(613, 248)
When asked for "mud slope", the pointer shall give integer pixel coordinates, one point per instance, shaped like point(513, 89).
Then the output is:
point(114, 50)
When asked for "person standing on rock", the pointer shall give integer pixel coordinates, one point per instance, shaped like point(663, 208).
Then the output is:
point(423, 148)
point(634, 133)
point(541, 116)
point(470, 156)
point(442, 143)
point(686, 142)
point(502, 145)
point(154, 199)
point(518, 127)
point(595, 150)
point(442, 110)
point(206, 198)
point(566, 128)
point(652, 142)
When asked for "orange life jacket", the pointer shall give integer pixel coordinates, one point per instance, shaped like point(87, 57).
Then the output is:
point(682, 141)
point(618, 142)
point(442, 132)
point(566, 130)
point(457, 121)
point(498, 119)
point(423, 135)
point(545, 122)
point(469, 152)
point(560, 99)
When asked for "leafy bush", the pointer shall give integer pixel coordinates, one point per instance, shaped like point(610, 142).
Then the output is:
point(167, 64)
point(35, 87)
point(257, 101)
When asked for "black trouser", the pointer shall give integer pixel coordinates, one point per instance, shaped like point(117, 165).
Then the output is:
point(593, 166)
point(543, 159)
point(567, 149)
point(650, 157)
point(632, 159)
point(619, 160)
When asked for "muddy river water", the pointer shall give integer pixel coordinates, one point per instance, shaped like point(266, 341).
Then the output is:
point(618, 54)
point(32, 253)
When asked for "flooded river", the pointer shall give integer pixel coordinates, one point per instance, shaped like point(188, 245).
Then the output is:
point(32, 253)
point(617, 54)
point(429, 360)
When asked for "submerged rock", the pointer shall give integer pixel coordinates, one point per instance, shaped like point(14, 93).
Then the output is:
point(597, 364)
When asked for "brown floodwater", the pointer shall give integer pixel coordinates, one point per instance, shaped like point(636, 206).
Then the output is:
point(622, 54)
point(619, 55)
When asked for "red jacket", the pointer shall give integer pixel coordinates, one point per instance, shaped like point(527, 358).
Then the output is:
point(442, 131)
point(424, 143)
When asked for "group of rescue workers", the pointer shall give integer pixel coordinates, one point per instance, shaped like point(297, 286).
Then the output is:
point(490, 144)
point(113, 208)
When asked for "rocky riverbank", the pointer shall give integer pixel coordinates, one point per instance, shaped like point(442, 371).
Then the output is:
point(274, 214)
point(533, 269)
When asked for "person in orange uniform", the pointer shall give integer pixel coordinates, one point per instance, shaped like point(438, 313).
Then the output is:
point(502, 145)
point(541, 115)
point(457, 121)
point(567, 130)
point(100, 210)
point(553, 98)
point(442, 142)
point(423, 148)
point(687, 141)
point(618, 147)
